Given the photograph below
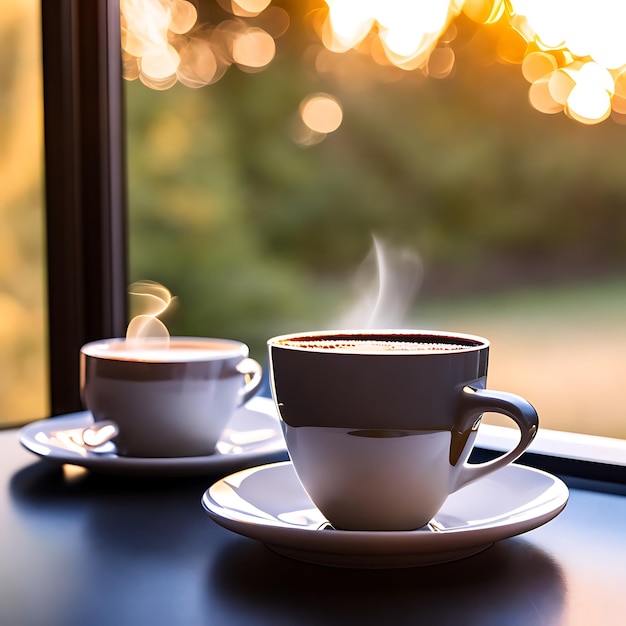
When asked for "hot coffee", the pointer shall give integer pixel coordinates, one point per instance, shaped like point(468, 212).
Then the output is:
point(380, 424)
point(372, 346)
point(167, 402)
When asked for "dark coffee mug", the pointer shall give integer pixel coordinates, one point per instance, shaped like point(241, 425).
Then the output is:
point(380, 424)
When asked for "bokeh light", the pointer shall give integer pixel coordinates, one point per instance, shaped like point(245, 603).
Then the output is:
point(573, 54)
point(408, 30)
point(163, 43)
point(253, 49)
point(321, 113)
point(584, 52)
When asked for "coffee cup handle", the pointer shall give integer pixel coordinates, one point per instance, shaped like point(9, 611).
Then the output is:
point(472, 404)
point(253, 374)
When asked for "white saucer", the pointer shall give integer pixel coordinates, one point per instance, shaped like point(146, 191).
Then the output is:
point(268, 504)
point(253, 436)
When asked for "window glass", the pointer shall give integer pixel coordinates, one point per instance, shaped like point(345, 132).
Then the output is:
point(274, 198)
point(23, 382)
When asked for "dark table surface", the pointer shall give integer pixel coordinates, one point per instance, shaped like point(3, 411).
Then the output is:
point(83, 549)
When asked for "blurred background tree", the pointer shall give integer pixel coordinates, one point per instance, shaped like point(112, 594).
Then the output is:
point(256, 234)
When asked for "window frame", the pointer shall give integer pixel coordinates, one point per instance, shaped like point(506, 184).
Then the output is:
point(85, 185)
point(86, 208)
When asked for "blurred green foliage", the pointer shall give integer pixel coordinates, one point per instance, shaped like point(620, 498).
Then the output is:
point(255, 234)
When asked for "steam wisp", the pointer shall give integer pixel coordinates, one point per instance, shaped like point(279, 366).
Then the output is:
point(145, 329)
point(388, 281)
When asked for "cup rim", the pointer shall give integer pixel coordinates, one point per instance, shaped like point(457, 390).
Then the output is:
point(228, 348)
point(474, 342)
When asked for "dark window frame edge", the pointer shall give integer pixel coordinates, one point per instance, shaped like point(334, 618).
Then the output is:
point(85, 172)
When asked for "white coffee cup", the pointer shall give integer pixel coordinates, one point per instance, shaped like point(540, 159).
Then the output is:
point(379, 424)
point(167, 402)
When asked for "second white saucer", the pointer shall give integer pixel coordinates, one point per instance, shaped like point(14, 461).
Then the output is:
point(252, 436)
point(268, 503)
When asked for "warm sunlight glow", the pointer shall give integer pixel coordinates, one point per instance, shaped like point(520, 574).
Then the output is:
point(163, 43)
point(409, 30)
point(571, 53)
point(582, 52)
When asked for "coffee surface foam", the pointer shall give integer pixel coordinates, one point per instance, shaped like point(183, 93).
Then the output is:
point(178, 351)
point(373, 346)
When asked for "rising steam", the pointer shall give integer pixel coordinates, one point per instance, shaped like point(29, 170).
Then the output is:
point(387, 282)
point(148, 300)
